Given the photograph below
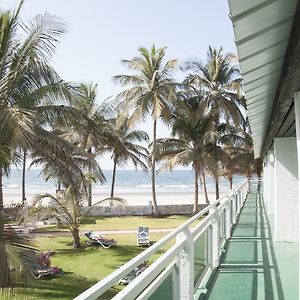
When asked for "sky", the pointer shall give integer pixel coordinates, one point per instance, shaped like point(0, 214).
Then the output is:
point(101, 33)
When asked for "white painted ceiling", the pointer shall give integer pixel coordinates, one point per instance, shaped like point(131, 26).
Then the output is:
point(261, 29)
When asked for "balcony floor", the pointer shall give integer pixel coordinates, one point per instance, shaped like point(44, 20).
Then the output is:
point(253, 265)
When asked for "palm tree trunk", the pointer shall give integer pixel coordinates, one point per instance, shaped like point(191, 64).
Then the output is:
point(205, 188)
point(76, 238)
point(156, 211)
point(89, 183)
point(113, 178)
point(90, 193)
point(217, 187)
point(23, 177)
point(230, 179)
point(195, 208)
point(1, 190)
point(258, 173)
point(4, 274)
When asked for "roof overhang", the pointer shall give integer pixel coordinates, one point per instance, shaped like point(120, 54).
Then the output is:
point(262, 31)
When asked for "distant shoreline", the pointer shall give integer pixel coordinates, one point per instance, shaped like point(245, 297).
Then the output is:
point(137, 198)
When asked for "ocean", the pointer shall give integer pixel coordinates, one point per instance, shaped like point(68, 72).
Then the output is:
point(129, 183)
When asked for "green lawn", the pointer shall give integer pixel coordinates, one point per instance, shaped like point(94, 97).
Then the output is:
point(84, 267)
point(119, 223)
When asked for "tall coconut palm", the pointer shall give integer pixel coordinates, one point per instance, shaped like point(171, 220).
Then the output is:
point(128, 149)
point(151, 90)
point(7, 249)
point(238, 146)
point(220, 83)
point(24, 71)
point(92, 129)
point(5, 157)
point(193, 132)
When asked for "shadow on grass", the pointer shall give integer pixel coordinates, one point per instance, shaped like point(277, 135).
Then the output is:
point(64, 287)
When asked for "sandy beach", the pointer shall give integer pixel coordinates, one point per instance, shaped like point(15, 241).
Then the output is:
point(137, 198)
point(135, 187)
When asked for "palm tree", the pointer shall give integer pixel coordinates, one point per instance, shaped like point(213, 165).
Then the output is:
point(214, 162)
point(25, 74)
point(238, 146)
point(193, 132)
point(5, 159)
point(66, 209)
point(91, 129)
point(151, 90)
point(26, 81)
point(220, 82)
point(129, 150)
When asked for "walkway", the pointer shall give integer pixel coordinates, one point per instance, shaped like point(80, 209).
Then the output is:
point(253, 266)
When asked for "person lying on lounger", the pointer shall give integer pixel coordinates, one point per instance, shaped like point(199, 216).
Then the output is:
point(100, 239)
point(44, 258)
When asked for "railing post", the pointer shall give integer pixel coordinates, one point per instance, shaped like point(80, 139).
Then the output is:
point(185, 262)
point(234, 210)
point(227, 218)
point(214, 237)
point(238, 197)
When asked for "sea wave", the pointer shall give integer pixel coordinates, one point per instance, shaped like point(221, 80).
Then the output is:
point(13, 186)
point(142, 186)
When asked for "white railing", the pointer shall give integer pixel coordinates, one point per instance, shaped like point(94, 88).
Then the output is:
point(185, 266)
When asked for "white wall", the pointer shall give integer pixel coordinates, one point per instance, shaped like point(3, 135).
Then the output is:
point(271, 182)
point(286, 190)
point(265, 181)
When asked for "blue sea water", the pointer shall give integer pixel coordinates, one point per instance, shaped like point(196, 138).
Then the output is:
point(127, 182)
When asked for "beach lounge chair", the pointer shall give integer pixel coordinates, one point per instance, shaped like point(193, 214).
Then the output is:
point(99, 239)
point(134, 273)
point(34, 265)
point(143, 236)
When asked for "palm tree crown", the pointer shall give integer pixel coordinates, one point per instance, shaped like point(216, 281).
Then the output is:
point(220, 82)
point(128, 149)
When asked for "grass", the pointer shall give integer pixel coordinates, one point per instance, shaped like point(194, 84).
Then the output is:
point(124, 223)
point(86, 266)
point(83, 267)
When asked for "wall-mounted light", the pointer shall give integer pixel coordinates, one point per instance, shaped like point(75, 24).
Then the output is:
point(271, 158)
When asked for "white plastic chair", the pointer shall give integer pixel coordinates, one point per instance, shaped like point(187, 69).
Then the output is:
point(143, 236)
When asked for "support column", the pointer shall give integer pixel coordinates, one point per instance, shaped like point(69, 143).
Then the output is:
point(271, 182)
point(286, 189)
point(215, 237)
point(265, 182)
point(297, 204)
point(186, 266)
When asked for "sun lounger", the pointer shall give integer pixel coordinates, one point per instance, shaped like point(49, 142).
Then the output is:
point(99, 239)
point(134, 273)
point(143, 236)
point(34, 265)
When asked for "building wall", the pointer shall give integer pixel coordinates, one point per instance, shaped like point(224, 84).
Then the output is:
point(286, 190)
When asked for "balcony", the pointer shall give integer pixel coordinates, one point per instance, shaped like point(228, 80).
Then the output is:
point(226, 251)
